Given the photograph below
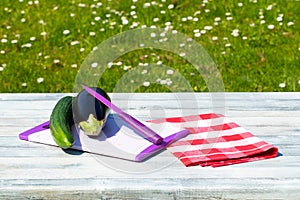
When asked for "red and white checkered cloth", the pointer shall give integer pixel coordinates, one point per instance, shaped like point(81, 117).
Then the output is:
point(215, 141)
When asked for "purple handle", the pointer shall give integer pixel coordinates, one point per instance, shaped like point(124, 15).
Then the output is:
point(155, 148)
point(142, 129)
point(24, 135)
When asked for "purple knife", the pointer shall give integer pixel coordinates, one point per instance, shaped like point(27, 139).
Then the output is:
point(141, 128)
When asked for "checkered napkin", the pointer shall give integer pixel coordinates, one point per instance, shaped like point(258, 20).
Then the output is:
point(215, 141)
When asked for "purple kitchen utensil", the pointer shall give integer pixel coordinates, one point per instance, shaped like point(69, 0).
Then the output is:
point(142, 129)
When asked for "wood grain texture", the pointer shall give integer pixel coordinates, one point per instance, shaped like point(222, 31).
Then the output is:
point(36, 171)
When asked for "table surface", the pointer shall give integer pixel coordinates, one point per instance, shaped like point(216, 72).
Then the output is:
point(37, 171)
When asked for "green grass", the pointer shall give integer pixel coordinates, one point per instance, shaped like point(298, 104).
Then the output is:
point(259, 58)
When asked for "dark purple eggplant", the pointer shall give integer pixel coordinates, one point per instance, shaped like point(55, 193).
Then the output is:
point(89, 113)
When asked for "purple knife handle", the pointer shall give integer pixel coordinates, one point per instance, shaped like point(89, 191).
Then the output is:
point(142, 129)
point(102, 99)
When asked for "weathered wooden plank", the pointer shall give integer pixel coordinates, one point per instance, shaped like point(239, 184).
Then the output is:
point(278, 124)
point(232, 95)
point(14, 130)
point(171, 103)
point(228, 189)
point(85, 166)
point(282, 139)
point(151, 194)
point(146, 115)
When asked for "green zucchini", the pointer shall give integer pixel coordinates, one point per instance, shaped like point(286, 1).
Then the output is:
point(61, 121)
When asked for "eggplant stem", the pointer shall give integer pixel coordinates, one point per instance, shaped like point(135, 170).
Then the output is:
point(92, 126)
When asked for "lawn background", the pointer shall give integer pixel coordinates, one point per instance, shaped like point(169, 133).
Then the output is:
point(255, 44)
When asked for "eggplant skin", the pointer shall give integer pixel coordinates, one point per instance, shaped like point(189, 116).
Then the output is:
point(85, 105)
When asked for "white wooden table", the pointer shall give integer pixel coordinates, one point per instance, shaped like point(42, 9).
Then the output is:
point(36, 171)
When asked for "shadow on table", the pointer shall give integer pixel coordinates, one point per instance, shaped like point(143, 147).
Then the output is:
point(73, 151)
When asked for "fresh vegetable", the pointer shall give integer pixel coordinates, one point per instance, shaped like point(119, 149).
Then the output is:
point(61, 121)
point(89, 113)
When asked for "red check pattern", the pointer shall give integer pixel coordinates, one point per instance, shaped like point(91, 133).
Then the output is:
point(215, 141)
